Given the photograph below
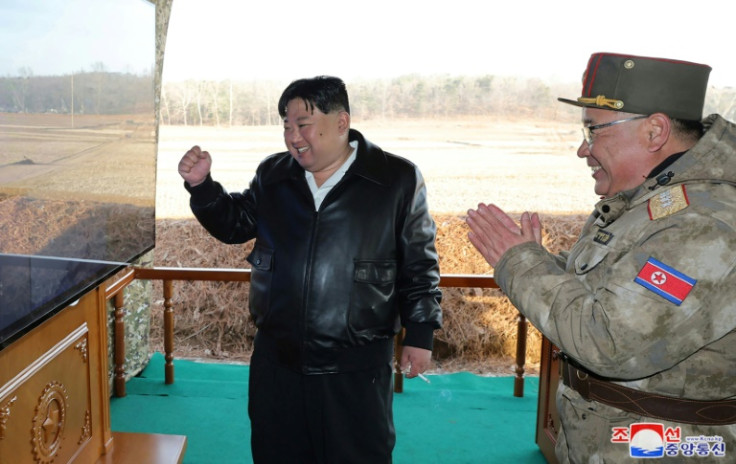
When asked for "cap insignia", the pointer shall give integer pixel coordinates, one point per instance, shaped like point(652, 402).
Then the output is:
point(601, 100)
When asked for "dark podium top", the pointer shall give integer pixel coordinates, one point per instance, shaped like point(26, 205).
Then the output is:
point(34, 288)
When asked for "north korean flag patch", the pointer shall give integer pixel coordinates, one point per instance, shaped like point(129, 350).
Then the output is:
point(667, 282)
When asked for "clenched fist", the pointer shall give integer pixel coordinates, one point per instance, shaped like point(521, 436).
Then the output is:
point(195, 165)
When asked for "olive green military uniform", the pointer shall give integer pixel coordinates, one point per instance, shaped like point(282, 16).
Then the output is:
point(612, 313)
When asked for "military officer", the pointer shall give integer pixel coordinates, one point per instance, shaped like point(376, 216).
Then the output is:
point(644, 304)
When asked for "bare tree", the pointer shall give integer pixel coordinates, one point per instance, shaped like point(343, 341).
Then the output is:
point(98, 69)
point(230, 104)
point(165, 113)
point(185, 100)
point(215, 106)
point(19, 88)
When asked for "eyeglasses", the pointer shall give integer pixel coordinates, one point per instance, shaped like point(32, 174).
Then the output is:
point(588, 130)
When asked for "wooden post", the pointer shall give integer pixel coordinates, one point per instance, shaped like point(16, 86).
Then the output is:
point(521, 331)
point(119, 379)
point(168, 331)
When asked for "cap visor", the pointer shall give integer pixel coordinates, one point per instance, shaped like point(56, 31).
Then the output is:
point(571, 102)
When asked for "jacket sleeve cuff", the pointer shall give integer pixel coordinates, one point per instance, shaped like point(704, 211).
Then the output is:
point(419, 335)
point(204, 193)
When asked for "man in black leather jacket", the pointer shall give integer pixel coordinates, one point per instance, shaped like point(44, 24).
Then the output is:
point(344, 257)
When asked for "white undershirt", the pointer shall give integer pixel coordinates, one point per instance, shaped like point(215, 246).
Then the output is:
point(319, 193)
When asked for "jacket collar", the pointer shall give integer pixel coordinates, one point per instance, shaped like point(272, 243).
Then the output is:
point(371, 162)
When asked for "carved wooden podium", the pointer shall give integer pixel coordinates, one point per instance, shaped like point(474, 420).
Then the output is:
point(54, 398)
point(548, 421)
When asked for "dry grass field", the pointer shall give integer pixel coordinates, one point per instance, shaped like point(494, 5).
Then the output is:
point(519, 165)
point(96, 158)
point(81, 186)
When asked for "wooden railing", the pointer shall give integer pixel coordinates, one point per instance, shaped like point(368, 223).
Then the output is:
point(168, 275)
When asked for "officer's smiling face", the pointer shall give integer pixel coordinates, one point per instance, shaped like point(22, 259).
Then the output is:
point(618, 158)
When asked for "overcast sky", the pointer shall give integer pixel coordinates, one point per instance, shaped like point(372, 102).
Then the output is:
point(288, 39)
point(59, 37)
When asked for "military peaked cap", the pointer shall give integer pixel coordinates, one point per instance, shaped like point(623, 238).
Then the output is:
point(644, 85)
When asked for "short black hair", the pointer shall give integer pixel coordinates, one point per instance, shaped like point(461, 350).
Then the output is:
point(326, 93)
point(688, 129)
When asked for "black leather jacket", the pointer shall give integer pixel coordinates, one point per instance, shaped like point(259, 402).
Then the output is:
point(330, 288)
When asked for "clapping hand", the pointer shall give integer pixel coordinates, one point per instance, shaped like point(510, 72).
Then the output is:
point(493, 232)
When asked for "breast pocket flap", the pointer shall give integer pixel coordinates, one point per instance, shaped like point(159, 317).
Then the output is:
point(375, 271)
point(589, 259)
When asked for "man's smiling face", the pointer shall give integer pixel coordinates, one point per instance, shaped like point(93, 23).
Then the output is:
point(316, 140)
point(617, 156)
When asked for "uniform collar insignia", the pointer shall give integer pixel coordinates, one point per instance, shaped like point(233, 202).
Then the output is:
point(603, 237)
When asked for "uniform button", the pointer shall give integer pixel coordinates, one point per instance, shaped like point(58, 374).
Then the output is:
point(583, 267)
point(258, 261)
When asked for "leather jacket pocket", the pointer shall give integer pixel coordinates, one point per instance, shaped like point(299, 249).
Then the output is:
point(261, 261)
point(373, 298)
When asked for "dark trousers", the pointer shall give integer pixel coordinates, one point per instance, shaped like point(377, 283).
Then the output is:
point(342, 418)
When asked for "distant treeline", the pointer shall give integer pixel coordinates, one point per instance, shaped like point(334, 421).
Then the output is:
point(233, 103)
point(81, 93)
point(412, 96)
